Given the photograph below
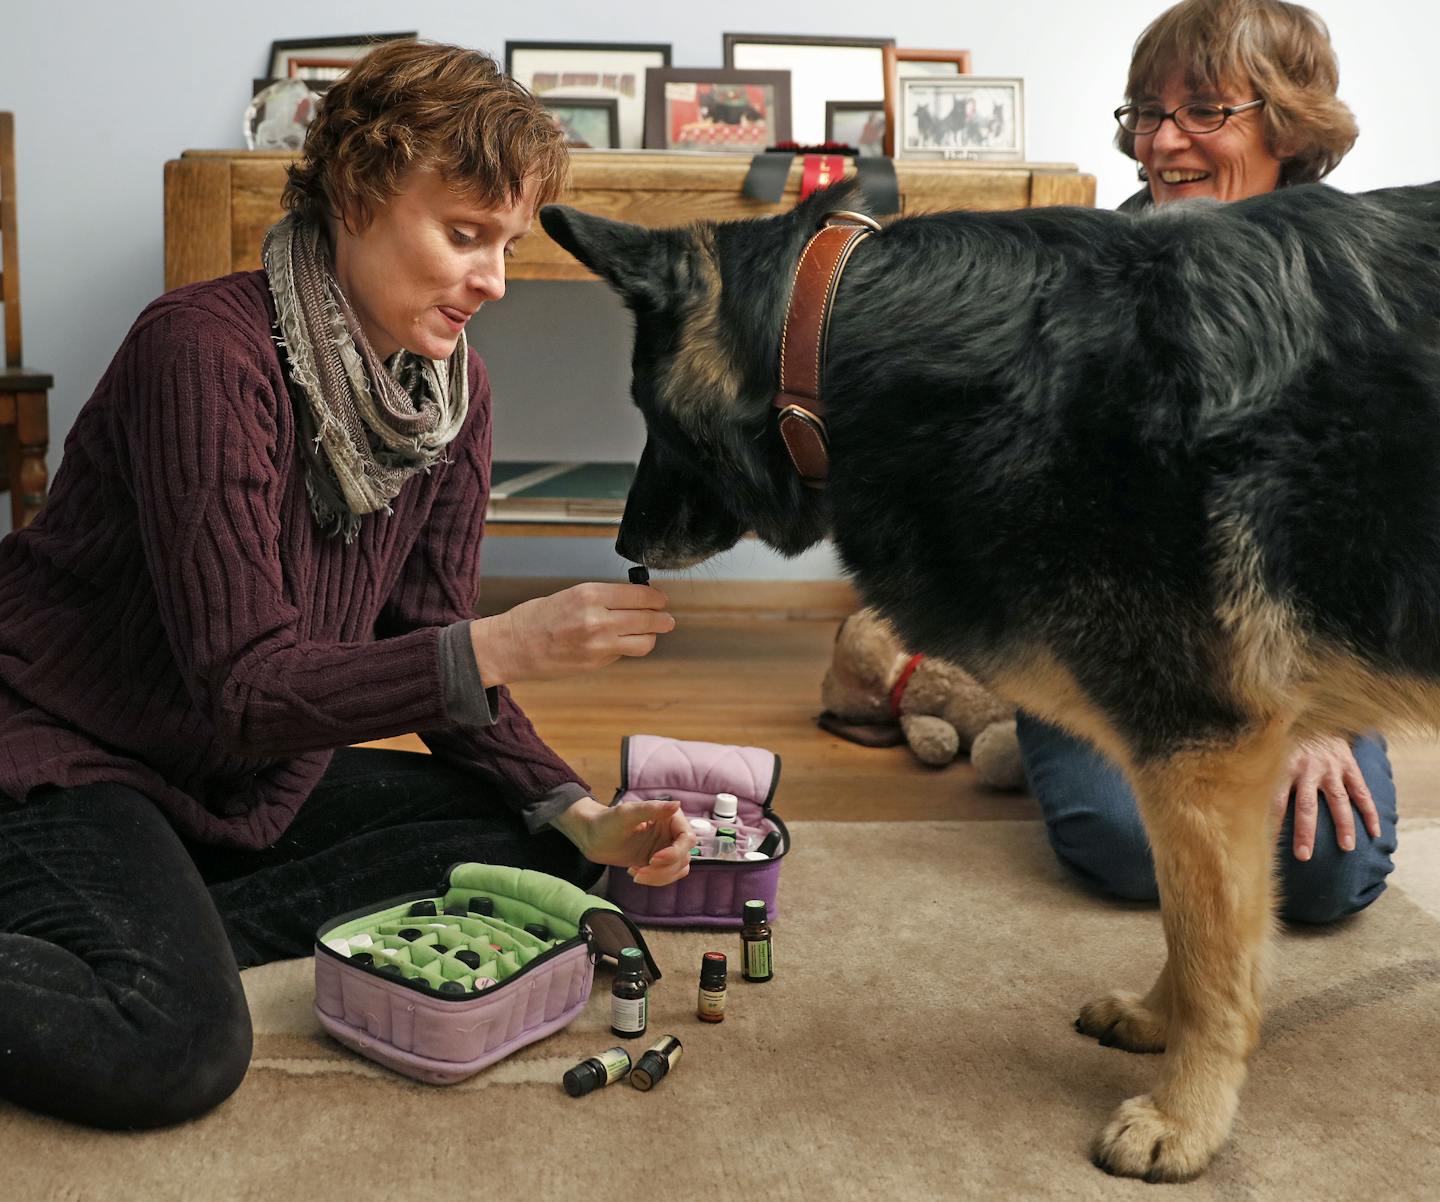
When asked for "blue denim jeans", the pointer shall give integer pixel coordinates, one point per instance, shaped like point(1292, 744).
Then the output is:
point(1094, 826)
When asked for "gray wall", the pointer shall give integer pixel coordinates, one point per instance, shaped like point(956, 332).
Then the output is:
point(105, 92)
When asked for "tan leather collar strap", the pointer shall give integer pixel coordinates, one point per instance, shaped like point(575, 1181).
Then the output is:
point(802, 344)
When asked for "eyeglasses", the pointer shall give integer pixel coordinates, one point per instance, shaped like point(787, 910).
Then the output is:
point(1199, 117)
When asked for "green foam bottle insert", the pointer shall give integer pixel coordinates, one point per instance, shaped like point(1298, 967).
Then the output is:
point(515, 897)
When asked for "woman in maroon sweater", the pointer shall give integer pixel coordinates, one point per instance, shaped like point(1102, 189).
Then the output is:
point(263, 546)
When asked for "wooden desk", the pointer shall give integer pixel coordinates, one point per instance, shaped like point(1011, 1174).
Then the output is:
point(219, 203)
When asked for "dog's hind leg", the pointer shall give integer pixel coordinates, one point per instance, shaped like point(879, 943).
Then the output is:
point(1208, 817)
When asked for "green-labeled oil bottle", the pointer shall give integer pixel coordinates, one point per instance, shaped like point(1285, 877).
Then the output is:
point(629, 996)
point(757, 961)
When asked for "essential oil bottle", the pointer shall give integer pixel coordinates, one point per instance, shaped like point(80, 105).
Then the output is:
point(658, 1060)
point(710, 1005)
point(629, 996)
point(597, 1071)
point(727, 809)
point(757, 951)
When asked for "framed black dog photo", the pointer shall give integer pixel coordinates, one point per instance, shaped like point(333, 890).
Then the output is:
point(691, 108)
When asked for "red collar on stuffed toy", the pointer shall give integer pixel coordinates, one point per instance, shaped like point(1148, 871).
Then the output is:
point(897, 694)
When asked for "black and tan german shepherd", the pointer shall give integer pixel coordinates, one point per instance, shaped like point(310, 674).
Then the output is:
point(1170, 480)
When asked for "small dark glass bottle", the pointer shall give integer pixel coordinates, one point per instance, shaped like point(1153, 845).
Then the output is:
point(539, 930)
point(597, 1071)
point(655, 1063)
point(421, 909)
point(758, 953)
point(482, 906)
point(629, 996)
point(710, 1006)
point(468, 958)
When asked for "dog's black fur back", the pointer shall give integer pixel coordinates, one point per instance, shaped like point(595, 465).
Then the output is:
point(1130, 441)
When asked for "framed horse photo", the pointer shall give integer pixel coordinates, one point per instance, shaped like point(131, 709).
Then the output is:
point(960, 117)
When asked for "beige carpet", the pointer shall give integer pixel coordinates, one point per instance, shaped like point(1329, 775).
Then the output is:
point(916, 1043)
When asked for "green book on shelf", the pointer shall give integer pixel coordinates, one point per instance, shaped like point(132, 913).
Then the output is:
point(530, 491)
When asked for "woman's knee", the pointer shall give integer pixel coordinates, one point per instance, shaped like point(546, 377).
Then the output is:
point(1111, 854)
point(1090, 813)
point(174, 1068)
point(1334, 884)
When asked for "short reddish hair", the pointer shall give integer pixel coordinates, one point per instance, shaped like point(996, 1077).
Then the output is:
point(1282, 50)
point(410, 104)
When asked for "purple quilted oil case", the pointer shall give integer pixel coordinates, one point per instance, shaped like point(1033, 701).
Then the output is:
point(693, 773)
point(437, 985)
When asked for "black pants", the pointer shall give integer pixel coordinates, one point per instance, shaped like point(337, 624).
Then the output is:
point(121, 944)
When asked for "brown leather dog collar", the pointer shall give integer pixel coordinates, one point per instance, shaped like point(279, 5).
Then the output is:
point(802, 344)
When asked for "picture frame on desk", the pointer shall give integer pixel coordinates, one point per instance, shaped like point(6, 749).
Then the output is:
point(716, 110)
point(821, 69)
point(967, 117)
point(588, 122)
point(280, 112)
point(338, 50)
point(857, 123)
point(945, 64)
point(585, 70)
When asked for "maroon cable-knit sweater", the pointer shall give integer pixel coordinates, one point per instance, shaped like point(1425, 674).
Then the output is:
point(175, 621)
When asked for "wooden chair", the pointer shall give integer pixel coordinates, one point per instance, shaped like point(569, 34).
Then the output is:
point(24, 393)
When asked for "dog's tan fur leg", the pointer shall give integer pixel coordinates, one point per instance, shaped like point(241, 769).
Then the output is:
point(1208, 818)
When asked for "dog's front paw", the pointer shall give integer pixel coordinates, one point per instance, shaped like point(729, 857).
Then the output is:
point(1142, 1141)
point(1122, 1020)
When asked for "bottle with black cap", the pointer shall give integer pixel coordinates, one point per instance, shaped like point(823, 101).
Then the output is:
point(596, 1071)
point(710, 1006)
point(657, 1060)
point(629, 996)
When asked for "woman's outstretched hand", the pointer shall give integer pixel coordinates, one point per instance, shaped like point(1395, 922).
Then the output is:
point(569, 632)
point(651, 838)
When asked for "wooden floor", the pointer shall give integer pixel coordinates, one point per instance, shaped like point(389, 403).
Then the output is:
point(758, 682)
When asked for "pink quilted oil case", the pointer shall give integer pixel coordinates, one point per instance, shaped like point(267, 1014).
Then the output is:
point(437, 985)
point(692, 773)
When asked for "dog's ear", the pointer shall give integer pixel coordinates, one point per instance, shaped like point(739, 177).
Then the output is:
point(630, 258)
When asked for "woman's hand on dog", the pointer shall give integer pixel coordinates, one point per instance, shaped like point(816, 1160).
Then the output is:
point(650, 838)
point(576, 630)
point(1326, 765)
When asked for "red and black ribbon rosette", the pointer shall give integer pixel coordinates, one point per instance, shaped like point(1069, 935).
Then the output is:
point(823, 165)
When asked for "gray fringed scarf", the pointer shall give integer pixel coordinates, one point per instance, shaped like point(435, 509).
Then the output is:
point(368, 426)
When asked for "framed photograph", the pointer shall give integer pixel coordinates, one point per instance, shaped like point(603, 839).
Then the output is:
point(280, 112)
point(857, 123)
point(588, 122)
point(689, 108)
point(591, 70)
point(821, 69)
point(328, 58)
point(967, 117)
point(945, 64)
